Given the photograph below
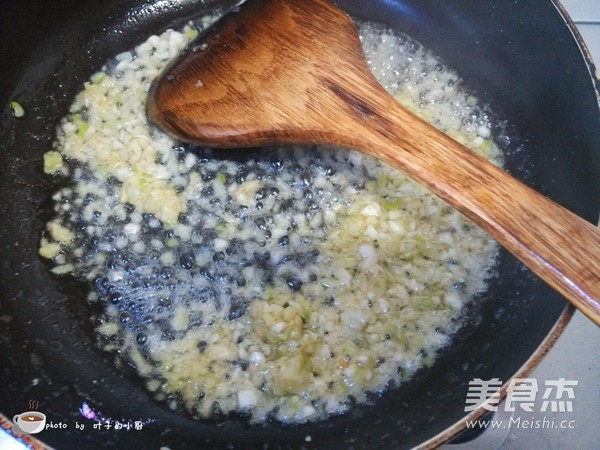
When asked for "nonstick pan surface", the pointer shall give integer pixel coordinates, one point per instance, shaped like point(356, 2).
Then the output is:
point(522, 58)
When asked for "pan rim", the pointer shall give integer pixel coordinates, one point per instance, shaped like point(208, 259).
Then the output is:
point(565, 316)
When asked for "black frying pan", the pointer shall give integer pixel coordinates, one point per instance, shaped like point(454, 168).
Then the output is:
point(523, 58)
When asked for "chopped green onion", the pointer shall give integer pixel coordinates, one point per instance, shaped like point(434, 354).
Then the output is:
point(192, 33)
point(98, 77)
point(426, 303)
point(17, 109)
point(391, 203)
point(80, 123)
point(221, 177)
point(53, 162)
point(428, 361)
point(382, 181)
point(82, 128)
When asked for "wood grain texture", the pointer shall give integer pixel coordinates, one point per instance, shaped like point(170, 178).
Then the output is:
point(288, 72)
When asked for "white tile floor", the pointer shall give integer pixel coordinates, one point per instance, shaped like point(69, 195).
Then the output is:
point(586, 15)
point(583, 10)
point(576, 355)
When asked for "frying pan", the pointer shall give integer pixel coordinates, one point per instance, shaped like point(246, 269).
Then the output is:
point(522, 58)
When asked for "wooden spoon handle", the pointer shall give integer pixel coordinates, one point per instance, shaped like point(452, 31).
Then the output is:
point(280, 82)
point(557, 245)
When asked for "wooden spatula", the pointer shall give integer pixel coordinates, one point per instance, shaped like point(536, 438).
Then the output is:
point(293, 72)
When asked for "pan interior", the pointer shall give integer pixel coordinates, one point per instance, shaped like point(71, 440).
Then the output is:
point(555, 149)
